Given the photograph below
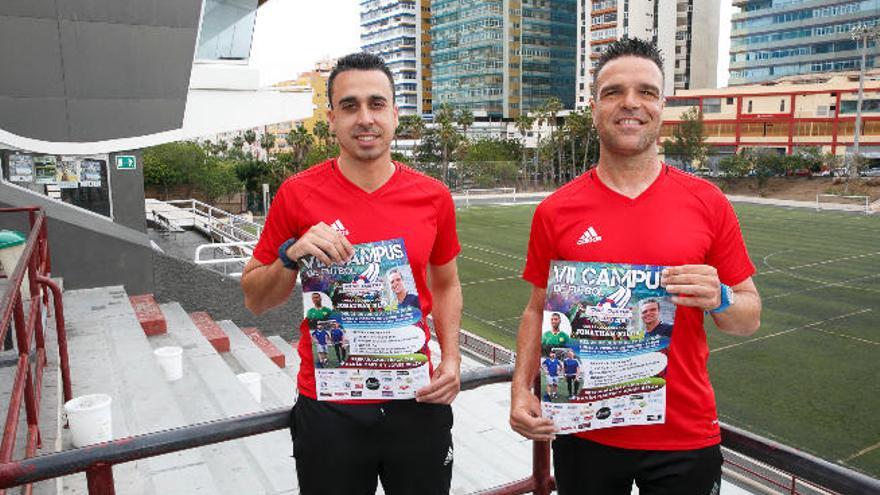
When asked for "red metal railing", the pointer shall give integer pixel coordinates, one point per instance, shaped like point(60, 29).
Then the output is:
point(97, 461)
point(34, 264)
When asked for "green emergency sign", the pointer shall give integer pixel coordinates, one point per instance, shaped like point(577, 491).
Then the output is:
point(126, 162)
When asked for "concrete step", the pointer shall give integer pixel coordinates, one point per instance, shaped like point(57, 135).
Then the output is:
point(148, 314)
point(279, 390)
point(211, 390)
point(110, 354)
point(264, 345)
point(291, 357)
point(210, 330)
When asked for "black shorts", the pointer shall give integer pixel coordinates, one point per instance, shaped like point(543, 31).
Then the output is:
point(344, 448)
point(585, 467)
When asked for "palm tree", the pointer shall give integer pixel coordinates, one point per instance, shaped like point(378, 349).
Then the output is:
point(465, 119)
point(300, 141)
point(267, 142)
point(447, 135)
point(322, 132)
point(552, 106)
point(524, 124)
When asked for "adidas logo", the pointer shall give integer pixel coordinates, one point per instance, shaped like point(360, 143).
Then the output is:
point(338, 227)
point(589, 236)
point(448, 459)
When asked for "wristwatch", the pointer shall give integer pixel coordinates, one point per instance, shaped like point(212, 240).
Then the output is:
point(282, 254)
point(728, 297)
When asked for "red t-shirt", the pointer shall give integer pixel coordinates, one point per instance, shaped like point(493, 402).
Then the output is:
point(680, 219)
point(410, 205)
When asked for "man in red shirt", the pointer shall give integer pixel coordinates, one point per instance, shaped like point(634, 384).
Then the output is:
point(633, 209)
point(363, 196)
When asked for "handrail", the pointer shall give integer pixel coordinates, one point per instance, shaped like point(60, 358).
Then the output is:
point(34, 263)
point(97, 460)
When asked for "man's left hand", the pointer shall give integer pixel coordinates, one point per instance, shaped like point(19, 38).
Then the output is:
point(697, 286)
point(445, 384)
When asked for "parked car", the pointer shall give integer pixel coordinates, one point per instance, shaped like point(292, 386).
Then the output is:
point(839, 172)
point(871, 172)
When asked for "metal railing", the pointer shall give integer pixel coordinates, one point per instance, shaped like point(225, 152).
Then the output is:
point(218, 223)
point(237, 254)
point(34, 264)
point(97, 461)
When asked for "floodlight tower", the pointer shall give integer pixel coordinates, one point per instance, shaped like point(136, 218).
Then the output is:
point(862, 33)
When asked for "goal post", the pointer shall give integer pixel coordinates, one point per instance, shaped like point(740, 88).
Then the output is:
point(493, 192)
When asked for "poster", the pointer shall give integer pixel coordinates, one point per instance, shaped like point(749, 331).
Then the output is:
point(606, 331)
point(90, 172)
point(68, 172)
point(45, 169)
point(368, 338)
point(21, 168)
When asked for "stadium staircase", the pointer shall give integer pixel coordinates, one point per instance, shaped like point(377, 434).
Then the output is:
point(111, 338)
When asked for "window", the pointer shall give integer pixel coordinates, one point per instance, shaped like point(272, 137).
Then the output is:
point(227, 29)
point(750, 107)
point(782, 105)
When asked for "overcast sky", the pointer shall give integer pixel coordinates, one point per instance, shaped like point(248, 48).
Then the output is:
point(291, 35)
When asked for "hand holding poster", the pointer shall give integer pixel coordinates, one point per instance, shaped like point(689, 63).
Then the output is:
point(368, 337)
point(606, 332)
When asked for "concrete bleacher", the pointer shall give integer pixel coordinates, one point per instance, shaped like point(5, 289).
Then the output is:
point(110, 353)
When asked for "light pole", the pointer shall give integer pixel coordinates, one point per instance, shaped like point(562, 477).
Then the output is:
point(861, 33)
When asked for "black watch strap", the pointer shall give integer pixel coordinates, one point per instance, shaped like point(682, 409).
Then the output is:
point(282, 254)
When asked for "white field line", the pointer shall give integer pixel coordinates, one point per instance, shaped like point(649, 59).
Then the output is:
point(517, 317)
point(842, 283)
point(845, 336)
point(489, 280)
point(783, 332)
point(498, 253)
point(862, 452)
point(809, 265)
point(490, 323)
point(507, 268)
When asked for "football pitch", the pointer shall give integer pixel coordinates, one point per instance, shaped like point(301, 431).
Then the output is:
point(810, 377)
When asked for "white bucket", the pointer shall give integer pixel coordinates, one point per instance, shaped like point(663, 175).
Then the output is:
point(253, 383)
point(90, 419)
point(171, 361)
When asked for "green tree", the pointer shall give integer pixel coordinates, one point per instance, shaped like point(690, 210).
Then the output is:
point(300, 142)
point(489, 162)
point(465, 119)
point(548, 114)
point(524, 124)
point(322, 132)
point(267, 142)
point(171, 164)
point(216, 179)
point(447, 136)
point(688, 142)
point(237, 142)
point(250, 137)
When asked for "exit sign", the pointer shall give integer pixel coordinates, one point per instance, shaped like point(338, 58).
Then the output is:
point(126, 162)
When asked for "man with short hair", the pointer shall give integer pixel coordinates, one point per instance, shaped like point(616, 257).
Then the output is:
point(398, 288)
point(649, 310)
point(336, 337)
point(343, 447)
point(694, 234)
point(554, 337)
point(571, 367)
point(318, 312)
point(551, 369)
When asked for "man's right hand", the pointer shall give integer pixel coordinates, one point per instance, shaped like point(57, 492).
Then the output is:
point(324, 243)
point(526, 419)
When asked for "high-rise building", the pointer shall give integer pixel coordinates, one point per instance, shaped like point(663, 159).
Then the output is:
point(686, 31)
point(397, 31)
point(775, 38)
point(501, 58)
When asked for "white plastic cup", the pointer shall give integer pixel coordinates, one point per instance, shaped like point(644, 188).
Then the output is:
point(171, 361)
point(90, 419)
point(252, 381)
